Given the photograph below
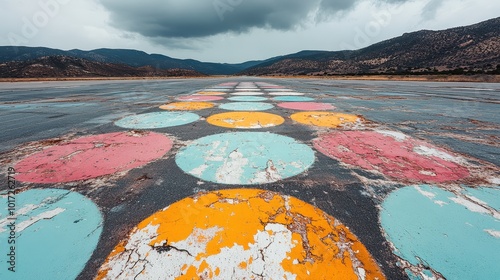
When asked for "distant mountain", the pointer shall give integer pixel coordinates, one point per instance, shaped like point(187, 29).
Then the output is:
point(129, 57)
point(470, 49)
point(58, 66)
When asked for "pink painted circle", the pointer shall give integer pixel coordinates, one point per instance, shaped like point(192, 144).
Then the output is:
point(306, 106)
point(93, 156)
point(393, 154)
point(199, 98)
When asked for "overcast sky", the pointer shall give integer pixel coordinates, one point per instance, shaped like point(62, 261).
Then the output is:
point(228, 30)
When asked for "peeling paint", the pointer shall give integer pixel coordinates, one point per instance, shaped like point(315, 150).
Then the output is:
point(326, 119)
point(245, 158)
point(187, 106)
point(240, 234)
point(385, 153)
point(56, 234)
point(444, 232)
point(246, 106)
point(157, 120)
point(92, 156)
point(306, 106)
point(245, 120)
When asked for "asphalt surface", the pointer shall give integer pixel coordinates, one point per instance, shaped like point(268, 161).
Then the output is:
point(459, 121)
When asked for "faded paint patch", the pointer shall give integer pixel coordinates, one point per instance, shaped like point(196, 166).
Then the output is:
point(199, 98)
point(245, 158)
point(247, 93)
point(326, 119)
point(448, 232)
point(157, 120)
point(245, 120)
point(247, 98)
point(92, 156)
point(56, 233)
point(246, 106)
point(306, 106)
point(240, 234)
point(293, 99)
point(187, 106)
point(390, 155)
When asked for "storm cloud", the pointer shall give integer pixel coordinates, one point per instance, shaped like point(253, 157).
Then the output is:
point(202, 18)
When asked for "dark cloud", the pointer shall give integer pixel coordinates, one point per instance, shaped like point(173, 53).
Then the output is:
point(201, 18)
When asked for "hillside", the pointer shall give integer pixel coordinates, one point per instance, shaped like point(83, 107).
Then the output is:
point(70, 67)
point(473, 49)
point(132, 58)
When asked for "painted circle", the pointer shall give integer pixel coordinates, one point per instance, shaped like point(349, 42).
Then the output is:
point(239, 234)
point(293, 99)
point(211, 93)
point(286, 93)
point(199, 98)
point(247, 89)
point(325, 119)
point(93, 156)
point(245, 158)
point(56, 233)
point(246, 106)
point(157, 120)
point(245, 120)
point(451, 232)
point(246, 93)
point(392, 154)
point(306, 106)
point(247, 98)
point(187, 106)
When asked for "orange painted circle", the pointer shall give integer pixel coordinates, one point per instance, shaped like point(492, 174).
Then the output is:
point(211, 93)
point(245, 120)
point(236, 234)
point(325, 119)
point(187, 106)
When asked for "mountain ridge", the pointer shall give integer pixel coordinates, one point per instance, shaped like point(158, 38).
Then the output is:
point(474, 47)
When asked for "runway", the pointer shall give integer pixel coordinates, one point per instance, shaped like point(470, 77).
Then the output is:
point(247, 177)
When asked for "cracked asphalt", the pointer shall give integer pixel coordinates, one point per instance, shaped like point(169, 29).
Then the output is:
point(449, 132)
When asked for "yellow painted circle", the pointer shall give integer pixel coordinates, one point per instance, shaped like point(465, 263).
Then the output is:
point(240, 234)
point(325, 119)
point(245, 120)
point(211, 93)
point(187, 106)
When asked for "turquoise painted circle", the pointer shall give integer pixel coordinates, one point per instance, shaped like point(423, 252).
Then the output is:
point(57, 232)
point(246, 106)
point(293, 99)
point(157, 120)
point(451, 232)
point(248, 98)
point(245, 158)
